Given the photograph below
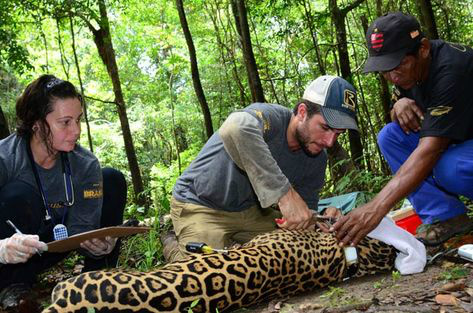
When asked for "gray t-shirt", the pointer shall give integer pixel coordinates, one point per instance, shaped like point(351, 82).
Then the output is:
point(85, 213)
point(248, 162)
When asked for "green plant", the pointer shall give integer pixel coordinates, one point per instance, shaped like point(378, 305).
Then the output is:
point(72, 260)
point(355, 180)
point(395, 276)
point(142, 252)
point(333, 293)
point(193, 305)
point(454, 273)
point(379, 284)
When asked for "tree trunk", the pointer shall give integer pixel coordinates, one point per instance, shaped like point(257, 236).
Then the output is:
point(310, 23)
point(338, 18)
point(226, 58)
point(336, 153)
point(266, 70)
point(195, 69)
point(384, 93)
point(241, 22)
point(103, 41)
point(4, 131)
point(84, 102)
point(428, 19)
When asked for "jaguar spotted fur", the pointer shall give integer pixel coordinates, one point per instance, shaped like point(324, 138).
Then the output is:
point(277, 264)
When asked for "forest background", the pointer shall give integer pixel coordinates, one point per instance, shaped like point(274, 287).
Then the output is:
point(160, 76)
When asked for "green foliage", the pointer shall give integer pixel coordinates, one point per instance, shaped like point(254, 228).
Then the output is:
point(369, 182)
point(379, 284)
point(339, 297)
point(12, 53)
point(155, 74)
point(164, 115)
point(383, 283)
point(193, 305)
point(454, 273)
point(395, 275)
point(142, 252)
point(334, 293)
point(10, 88)
point(164, 177)
point(72, 260)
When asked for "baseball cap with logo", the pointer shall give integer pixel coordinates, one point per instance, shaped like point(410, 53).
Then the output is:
point(389, 38)
point(337, 100)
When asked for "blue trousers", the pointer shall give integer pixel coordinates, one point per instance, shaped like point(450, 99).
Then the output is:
point(436, 199)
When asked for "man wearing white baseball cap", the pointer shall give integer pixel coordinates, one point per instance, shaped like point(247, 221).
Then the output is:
point(263, 156)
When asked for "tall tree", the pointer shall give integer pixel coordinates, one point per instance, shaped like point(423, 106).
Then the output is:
point(227, 57)
point(427, 18)
point(243, 29)
point(383, 91)
point(339, 160)
point(103, 41)
point(195, 69)
point(338, 18)
point(12, 53)
point(81, 84)
point(310, 24)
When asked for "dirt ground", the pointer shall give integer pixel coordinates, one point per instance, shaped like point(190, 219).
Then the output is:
point(387, 293)
point(445, 286)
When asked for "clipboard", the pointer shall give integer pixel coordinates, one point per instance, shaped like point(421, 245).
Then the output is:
point(74, 241)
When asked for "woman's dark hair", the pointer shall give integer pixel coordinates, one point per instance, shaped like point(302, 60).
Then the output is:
point(37, 101)
point(312, 108)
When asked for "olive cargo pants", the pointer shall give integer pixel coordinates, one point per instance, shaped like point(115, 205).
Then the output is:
point(217, 228)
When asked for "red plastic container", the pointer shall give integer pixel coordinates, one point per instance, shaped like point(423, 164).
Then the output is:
point(409, 223)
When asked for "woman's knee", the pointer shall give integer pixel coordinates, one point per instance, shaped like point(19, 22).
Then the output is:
point(113, 180)
point(114, 197)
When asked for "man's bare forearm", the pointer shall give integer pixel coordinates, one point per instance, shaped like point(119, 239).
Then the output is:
point(412, 173)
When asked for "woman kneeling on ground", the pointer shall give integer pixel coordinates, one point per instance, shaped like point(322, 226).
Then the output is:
point(51, 188)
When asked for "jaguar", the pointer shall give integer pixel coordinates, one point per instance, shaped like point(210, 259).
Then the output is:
point(277, 264)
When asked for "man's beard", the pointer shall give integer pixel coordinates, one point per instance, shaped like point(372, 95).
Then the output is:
point(303, 143)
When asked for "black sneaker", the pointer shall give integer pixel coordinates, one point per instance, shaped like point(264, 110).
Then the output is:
point(12, 296)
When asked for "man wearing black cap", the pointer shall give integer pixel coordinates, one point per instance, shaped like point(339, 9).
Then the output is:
point(262, 156)
point(429, 144)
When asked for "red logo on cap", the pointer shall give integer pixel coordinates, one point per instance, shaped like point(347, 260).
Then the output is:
point(377, 41)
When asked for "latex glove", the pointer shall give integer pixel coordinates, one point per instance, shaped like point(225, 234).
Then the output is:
point(19, 248)
point(296, 214)
point(407, 114)
point(99, 246)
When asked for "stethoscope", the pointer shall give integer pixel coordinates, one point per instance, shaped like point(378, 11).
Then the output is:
point(68, 185)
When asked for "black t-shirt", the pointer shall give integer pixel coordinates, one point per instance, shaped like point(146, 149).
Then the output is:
point(446, 97)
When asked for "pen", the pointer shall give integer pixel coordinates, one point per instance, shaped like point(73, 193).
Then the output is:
point(19, 232)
